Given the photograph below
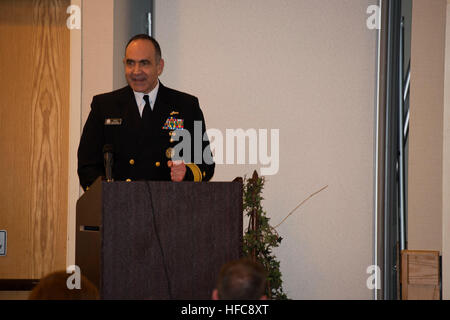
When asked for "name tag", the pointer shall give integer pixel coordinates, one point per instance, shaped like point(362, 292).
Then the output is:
point(113, 122)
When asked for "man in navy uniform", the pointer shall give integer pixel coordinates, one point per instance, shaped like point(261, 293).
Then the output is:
point(143, 122)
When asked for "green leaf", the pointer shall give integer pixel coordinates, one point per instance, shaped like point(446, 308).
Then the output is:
point(264, 238)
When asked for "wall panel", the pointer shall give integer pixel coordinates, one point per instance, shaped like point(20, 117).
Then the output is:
point(307, 68)
point(34, 97)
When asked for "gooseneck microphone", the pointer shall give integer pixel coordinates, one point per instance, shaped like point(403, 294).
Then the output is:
point(108, 161)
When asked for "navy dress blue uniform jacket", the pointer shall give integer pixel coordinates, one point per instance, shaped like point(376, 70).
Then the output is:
point(141, 145)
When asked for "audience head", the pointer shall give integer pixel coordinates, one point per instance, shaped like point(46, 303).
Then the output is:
point(241, 280)
point(54, 287)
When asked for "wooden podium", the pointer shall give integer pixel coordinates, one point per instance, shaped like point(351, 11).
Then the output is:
point(158, 240)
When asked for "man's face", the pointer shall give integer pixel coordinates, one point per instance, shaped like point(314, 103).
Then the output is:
point(141, 68)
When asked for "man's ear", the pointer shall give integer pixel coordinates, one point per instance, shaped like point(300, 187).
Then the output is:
point(160, 66)
point(215, 294)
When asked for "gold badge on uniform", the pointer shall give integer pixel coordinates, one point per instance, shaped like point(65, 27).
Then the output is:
point(170, 152)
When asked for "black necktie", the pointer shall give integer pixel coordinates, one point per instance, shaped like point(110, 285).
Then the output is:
point(146, 113)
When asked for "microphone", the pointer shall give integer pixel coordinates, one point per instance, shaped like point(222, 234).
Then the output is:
point(108, 161)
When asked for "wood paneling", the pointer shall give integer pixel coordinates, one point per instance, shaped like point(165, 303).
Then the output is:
point(14, 295)
point(420, 275)
point(34, 106)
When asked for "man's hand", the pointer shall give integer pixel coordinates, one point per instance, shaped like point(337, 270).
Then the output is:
point(177, 170)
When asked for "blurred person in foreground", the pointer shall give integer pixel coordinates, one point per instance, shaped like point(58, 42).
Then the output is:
point(54, 287)
point(241, 279)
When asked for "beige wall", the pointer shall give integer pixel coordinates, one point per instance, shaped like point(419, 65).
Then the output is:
point(306, 68)
point(98, 49)
point(91, 73)
point(426, 125)
point(446, 171)
point(74, 135)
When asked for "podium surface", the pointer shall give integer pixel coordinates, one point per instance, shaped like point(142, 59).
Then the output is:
point(158, 240)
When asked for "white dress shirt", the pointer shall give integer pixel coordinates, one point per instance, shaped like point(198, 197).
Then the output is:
point(139, 96)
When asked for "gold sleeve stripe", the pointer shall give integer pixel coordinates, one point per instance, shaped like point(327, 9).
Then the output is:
point(197, 173)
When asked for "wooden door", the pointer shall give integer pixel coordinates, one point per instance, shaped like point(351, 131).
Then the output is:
point(34, 128)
